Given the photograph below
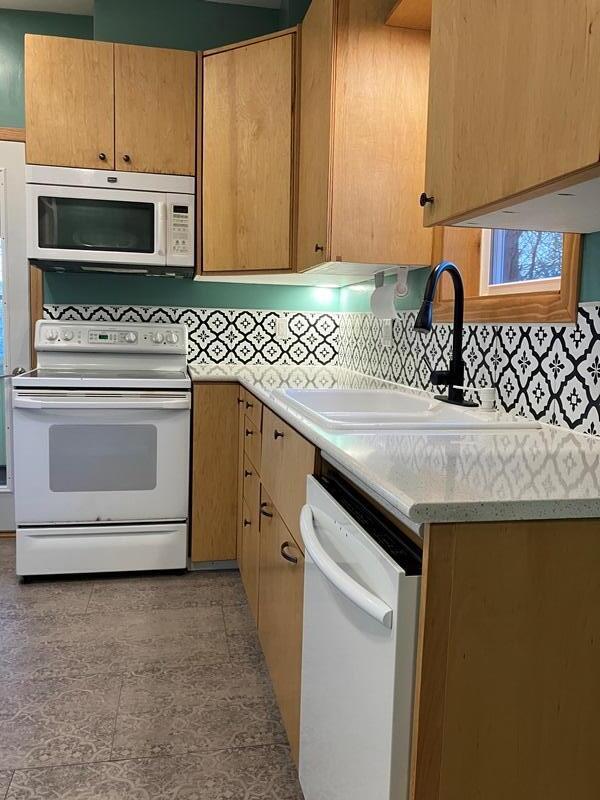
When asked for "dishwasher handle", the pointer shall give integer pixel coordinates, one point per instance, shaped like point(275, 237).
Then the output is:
point(346, 585)
point(97, 403)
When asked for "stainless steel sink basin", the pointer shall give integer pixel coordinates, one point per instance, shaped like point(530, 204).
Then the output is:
point(381, 409)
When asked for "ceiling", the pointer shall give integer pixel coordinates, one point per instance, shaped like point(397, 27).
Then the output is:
point(85, 7)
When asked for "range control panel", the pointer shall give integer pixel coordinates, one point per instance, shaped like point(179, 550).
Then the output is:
point(106, 336)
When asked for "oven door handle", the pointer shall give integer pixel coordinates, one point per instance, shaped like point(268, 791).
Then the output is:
point(372, 605)
point(134, 404)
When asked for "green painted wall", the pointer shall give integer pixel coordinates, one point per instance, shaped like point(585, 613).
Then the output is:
point(590, 273)
point(142, 291)
point(183, 24)
point(13, 27)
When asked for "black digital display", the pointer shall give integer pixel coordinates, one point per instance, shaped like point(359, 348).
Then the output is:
point(102, 336)
point(180, 209)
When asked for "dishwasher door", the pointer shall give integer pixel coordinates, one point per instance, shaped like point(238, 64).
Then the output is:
point(358, 663)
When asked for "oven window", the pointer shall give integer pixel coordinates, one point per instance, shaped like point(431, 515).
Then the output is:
point(70, 223)
point(102, 458)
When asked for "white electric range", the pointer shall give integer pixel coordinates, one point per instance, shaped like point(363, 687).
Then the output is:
point(101, 449)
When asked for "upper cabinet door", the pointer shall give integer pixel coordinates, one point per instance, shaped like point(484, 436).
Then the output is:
point(514, 105)
point(248, 136)
point(155, 110)
point(316, 83)
point(69, 102)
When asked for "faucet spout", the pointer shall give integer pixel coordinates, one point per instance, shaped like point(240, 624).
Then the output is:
point(453, 377)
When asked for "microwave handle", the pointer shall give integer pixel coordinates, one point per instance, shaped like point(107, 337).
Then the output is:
point(161, 243)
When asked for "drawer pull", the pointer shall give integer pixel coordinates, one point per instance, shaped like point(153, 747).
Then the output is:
point(286, 555)
point(249, 433)
point(247, 522)
point(425, 199)
point(249, 405)
point(278, 434)
point(247, 473)
point(263, 510)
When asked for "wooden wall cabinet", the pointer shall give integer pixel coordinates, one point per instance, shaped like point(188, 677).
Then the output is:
point(363, 96)
point(514, 112)
point(103, 106)
point(248, 139)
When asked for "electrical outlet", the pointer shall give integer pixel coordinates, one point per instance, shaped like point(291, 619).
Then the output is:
point(282, 329)
point(386, 333)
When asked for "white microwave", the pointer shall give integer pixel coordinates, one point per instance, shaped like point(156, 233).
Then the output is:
point(88, 220)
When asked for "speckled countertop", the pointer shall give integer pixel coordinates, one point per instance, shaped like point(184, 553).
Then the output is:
point(427, 476)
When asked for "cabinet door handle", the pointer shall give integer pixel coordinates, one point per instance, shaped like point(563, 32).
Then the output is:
point(239, 401)
point(249, 405)
point(249, 433)
point(247, 522)
point(126, 158)
point(263, 510)
point(277, 434)
point(319, 248)
point(102, 156)
point(247, 473)
point(286, 555)
point(424, 199)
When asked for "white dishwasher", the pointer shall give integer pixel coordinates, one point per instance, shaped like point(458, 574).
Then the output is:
point(361, 595)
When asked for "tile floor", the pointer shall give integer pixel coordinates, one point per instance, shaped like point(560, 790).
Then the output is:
point(136, 688)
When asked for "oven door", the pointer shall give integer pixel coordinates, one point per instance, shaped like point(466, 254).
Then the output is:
point(100, 456)
point(66, 223)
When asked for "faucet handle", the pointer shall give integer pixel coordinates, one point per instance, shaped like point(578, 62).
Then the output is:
point(441, 377)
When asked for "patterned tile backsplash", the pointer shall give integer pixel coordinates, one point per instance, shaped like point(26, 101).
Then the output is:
point(547, 372)
point(228, 336)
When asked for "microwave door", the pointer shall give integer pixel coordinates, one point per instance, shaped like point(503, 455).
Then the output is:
point(96, 225)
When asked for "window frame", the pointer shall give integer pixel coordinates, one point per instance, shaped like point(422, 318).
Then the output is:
point(558, 304)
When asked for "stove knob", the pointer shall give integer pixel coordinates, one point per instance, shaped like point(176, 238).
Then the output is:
point(131, 337)
point(172, 337)
point(67, 335)
point(51, 334)
point(157, 337)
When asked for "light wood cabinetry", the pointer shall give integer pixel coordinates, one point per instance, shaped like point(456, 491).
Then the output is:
point(155, 110)
point(252, 441)
point(363, 100)
point(280, 616)
point(411, 14)
point(69, 102)
point(104, 106)
point(214, 481)
point(507, 692)
point(287, 458)
point(250, 550)
point(514, 108)
point(248, 156)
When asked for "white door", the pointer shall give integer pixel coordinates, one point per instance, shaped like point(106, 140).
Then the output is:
point(14, 307)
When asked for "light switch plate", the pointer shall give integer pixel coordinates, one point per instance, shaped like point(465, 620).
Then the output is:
point(282, 329)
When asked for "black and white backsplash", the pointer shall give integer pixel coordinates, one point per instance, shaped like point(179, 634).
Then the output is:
point(229, 336)
point(547, 372)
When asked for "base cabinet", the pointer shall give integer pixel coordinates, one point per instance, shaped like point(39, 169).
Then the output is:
point(280, 615)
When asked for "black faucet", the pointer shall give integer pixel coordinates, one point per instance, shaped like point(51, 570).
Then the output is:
point(454, 377)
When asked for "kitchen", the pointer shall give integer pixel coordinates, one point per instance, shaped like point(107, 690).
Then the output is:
point(293, 504)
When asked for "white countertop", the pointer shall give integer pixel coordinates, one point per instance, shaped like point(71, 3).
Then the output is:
point(426, 476)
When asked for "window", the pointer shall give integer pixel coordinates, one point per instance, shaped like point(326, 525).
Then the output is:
point(510, 276)
point(520, 261)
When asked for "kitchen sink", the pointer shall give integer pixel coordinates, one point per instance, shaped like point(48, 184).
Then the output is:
point(381, 409)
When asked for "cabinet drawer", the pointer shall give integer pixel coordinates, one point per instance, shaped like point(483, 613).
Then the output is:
point(253, 408)
point(251, 482)
point(287, 458)
point(252, 441)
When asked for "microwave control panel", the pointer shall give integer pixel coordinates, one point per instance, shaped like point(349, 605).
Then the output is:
point(181, 220)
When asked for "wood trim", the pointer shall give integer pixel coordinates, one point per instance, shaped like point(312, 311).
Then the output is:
point(522, 306)
point(36, 307)
point(415, 14)
point(245, 42)
point(7, 534)
point(199, 160)
point(12, 134)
